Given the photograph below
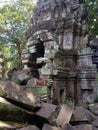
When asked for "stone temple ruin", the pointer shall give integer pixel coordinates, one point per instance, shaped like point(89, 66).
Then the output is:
point(57, 52)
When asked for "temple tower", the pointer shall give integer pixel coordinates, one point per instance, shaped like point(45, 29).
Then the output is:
point(57, 50)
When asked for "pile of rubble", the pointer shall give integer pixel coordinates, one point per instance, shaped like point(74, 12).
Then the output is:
point(27, 108)
point(66, 118)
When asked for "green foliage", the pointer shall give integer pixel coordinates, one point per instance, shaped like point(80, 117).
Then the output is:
point(14, 20)
point(92, 7)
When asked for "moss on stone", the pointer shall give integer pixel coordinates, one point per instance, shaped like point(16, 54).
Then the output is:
point(2, 93)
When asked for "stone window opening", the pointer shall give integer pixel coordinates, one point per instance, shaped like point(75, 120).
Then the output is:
point(34, 63)
point(40, 49)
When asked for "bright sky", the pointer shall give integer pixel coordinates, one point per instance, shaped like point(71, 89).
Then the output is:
point(2, 2)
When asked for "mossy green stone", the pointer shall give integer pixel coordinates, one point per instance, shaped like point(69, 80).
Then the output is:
point(2, 93)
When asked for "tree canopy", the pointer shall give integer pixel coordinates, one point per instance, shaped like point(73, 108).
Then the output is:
point(14, 20)
point(92, 8)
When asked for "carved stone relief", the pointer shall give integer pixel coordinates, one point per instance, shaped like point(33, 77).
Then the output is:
point(68, 41)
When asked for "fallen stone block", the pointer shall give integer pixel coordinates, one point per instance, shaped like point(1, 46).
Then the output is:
point(18, 96)
point(96, 112)
point(29, 128)
point(95, 123)
point(82, 114)
point(19, 76)
point(46, 110)
point(94, 128)
point(12, 113)
point(6, 126)
point(46, 114)
point(49, 127)
point(67, 127)
point(32, 82)
point(94, 108)
point(64, 115)
point(83, 127)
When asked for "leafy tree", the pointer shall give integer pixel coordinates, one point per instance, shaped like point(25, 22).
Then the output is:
point(14, 20)
point(92, 7)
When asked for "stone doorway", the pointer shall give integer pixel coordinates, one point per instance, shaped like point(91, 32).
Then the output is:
point(62, 95)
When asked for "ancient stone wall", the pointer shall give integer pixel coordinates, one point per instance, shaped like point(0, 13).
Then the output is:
point(57, 50)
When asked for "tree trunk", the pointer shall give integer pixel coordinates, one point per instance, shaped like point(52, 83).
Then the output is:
point(19, 50)
point(19, 53)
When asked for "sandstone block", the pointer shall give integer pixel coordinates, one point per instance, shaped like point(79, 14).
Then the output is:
point(67, 127)
point(46, 110)
point(84, 127)
point(49, 127)
point(95, 123)
point(64, 115)
point(18, 96)
point(82, 114)
point(29, 128)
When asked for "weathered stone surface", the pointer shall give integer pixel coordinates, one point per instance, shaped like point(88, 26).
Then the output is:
point(12, 112)
point(46, 110)
point(29, 128)
point(85, 60)
point(96, 111)
point(15, 93)
point(67, 41)
point(64, 115)
point(84, 127)
point(33, 82)
point(82, 114)
point(93, 107)
point(21, 76)
point(6, 126)
point(94, 128)
point(87, 97)
point(49, 127)
point(67, 127)
point(2, 93)
point(95, 123)
point(11, 125)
